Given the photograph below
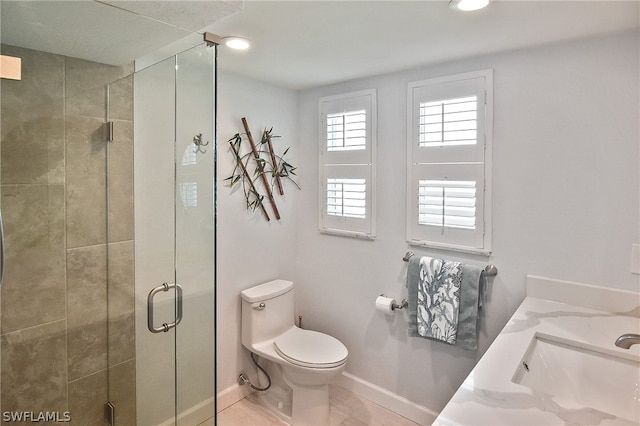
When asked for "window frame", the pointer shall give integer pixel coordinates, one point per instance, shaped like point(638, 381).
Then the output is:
point(456, 162)
point(357, 163)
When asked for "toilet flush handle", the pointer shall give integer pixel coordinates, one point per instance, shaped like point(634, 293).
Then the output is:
point(259, 307)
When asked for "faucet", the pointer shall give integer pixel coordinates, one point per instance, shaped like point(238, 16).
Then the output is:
point(626, 340)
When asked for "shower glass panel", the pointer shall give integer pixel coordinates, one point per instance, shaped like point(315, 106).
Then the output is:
point(194, 226)
point(174, 233)
point(121, 352)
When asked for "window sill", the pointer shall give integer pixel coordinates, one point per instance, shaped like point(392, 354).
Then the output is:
point(450, 247)
point(352, 234)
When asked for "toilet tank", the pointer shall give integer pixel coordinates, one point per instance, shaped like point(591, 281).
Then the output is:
point(267, 311)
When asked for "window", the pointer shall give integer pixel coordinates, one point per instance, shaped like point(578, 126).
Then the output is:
point(448, 122)
point(347, 131)
point(347, 164)
point(446, 203)
point(449, 168)
point(347, 197)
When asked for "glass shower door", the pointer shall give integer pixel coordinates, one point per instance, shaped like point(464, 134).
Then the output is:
point(154, 131)
point(174, 233)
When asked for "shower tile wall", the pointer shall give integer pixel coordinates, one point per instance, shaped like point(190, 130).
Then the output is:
point(67, 330)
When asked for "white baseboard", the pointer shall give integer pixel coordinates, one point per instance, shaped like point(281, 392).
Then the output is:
point(396, 403)
point(230, 396)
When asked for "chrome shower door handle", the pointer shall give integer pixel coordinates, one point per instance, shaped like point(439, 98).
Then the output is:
point(2, 261)
point(164, 327)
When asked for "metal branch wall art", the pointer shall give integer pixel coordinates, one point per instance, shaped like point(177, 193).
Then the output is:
point(268, 168)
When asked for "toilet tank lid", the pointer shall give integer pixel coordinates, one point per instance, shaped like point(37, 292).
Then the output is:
point(266, 291)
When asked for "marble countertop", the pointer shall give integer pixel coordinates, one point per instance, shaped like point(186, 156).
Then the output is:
point(586, 316)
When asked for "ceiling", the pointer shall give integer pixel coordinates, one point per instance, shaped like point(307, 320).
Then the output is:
point(302, 44)
point(111, 32)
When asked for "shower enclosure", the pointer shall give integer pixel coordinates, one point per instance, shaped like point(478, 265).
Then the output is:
point(107, 196)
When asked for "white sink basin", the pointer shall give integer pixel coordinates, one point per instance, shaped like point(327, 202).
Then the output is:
point(577, 377)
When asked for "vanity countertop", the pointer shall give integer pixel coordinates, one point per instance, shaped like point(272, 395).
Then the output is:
point(583, 316)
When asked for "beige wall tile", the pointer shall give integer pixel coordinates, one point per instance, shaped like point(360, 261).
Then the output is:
point(87, 397)
point(120, 181)
point(34, 287)
point(41, 84)
point(86, 86)
point(86, 182)
point(34, 369)
point(87, 310)
point(32, 126)
point(33, 146)
point(121, 302)
point(39, 126)
point(122, 392)
point(121, 99)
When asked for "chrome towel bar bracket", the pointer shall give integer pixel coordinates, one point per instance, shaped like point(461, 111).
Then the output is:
point(403, 304)
point(489, 270)
point(407, 256)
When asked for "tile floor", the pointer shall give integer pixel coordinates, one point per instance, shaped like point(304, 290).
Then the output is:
point(347, 408)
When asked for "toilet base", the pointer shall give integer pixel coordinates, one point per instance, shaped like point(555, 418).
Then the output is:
point(307, 400)
point(310, 405)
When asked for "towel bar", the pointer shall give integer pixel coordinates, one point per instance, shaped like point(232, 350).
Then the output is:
point(489, 270)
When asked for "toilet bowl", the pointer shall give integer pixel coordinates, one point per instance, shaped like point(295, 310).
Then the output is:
point(309, 360)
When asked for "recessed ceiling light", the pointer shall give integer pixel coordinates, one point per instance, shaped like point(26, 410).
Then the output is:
point(468, 5)
point(237, 43)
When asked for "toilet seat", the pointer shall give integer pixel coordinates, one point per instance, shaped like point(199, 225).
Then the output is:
point(311, 349)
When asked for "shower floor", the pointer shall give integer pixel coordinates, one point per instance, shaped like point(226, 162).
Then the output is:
point(346, 408)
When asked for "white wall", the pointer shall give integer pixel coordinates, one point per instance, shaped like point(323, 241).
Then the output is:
point(565, 204)
point(249, 249)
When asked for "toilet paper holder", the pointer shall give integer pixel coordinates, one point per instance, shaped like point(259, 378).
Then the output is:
point(394, 306)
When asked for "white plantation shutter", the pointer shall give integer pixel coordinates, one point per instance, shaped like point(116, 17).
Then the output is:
point(347, 164)
point(347, 197)
point(447, 203)
point(448, 156)
point(448, 122)
point(347, 131)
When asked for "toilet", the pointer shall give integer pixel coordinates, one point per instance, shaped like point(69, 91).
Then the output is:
point(309, 360)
